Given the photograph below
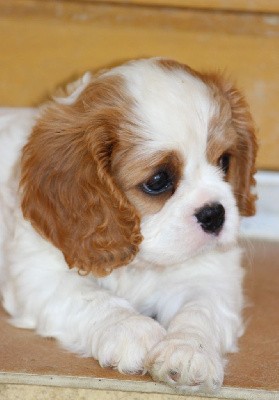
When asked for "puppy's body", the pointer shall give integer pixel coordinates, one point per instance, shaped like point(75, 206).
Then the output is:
point(93, 156)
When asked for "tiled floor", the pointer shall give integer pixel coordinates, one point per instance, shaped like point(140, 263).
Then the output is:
point(26, 358)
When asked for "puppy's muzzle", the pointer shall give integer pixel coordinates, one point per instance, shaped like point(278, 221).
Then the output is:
point(211, 218)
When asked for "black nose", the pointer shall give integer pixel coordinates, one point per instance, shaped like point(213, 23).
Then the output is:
point(211, 217)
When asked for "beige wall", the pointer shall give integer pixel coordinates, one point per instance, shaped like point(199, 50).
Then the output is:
point(45, 43)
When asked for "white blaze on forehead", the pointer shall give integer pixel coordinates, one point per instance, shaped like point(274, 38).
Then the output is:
point(173, 107)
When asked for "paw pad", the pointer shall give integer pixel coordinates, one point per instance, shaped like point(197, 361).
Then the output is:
point(174, 375)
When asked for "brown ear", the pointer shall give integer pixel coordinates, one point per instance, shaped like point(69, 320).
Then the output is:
point(245, 155)
point(68, 192)
point(243, 168)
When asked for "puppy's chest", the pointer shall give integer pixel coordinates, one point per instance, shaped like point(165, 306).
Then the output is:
point(149, 291)
point(141, 287)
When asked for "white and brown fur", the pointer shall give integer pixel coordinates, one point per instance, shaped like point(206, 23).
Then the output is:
point(89, 258)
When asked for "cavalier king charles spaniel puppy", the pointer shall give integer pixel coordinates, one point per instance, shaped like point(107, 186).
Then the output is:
point(119, 209)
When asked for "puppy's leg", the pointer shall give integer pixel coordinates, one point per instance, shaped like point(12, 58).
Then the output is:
point(40, 292)
point(192, 354)
point(90, 321)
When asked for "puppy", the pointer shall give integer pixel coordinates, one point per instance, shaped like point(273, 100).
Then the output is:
point(119, 210)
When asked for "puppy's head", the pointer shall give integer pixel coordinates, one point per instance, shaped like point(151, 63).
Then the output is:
point(149, 158)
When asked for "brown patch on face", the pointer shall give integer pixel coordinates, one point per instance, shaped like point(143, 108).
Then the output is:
point(231, 131)
point(68, 191)
point(136, 168)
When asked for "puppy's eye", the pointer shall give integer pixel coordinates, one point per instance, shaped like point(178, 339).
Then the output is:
point(224, 162)
point(159, 183)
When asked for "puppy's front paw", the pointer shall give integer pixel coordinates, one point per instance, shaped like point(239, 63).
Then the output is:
point(125, 344)
point(186, 365)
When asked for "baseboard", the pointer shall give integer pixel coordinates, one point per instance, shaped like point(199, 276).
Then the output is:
point(265, 224)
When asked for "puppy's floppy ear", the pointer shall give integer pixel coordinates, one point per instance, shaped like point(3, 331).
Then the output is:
point(68, 192)
point(245, 155)
point(243, 168)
